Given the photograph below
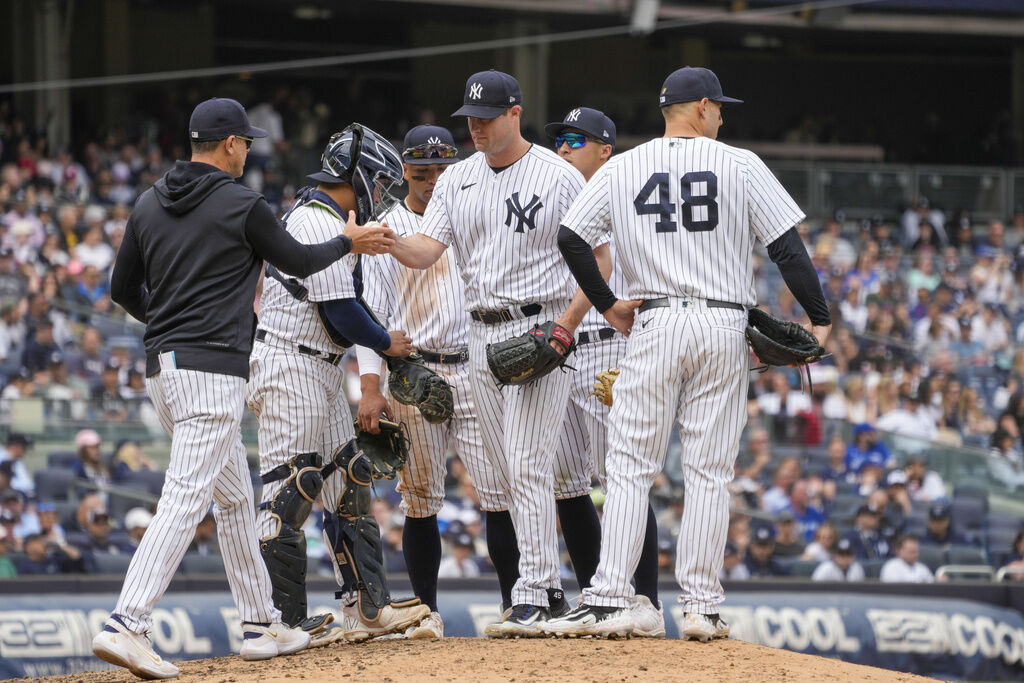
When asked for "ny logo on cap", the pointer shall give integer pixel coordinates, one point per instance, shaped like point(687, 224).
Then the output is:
point(434, 140)
point(476, 90)
point(574, 115)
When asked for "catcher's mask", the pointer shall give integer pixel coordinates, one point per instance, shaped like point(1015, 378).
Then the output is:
point(364, 159)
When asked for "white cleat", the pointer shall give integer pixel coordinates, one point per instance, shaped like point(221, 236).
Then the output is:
point(704, 627)
point(266, 642)
point(122, 647)
point(431, 627)
point(648, 620)
point(392, 619)
point(592, 620)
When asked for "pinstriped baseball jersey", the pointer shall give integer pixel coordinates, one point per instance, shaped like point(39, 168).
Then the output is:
point(427, 304)
point(504, 227)
point(285, 317)
point(684, 213)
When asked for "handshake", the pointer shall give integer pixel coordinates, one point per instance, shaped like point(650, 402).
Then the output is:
point(372, 238)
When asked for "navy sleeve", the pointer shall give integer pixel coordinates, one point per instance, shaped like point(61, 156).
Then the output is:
point(128, 278)
point(350, 319)
point(789, 254)
point(275, 245)
point(580, 257)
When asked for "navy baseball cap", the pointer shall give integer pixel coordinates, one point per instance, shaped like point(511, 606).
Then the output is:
point(590, 121)
point(692, 83)
point(430, 144)
point(489, 94)
point(219, 118)
point(844, 547)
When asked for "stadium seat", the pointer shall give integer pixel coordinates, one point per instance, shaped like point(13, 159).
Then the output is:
point(872, 568)
point(193, 563)
point(999, 540)
point(110, 563)
point(1001, 520)
point(932, 556)
point(845, 504)
point(803, 568)
point(968, 513)
point(59, 459)
point(965, 554)
point(54, 483)
point(118, 504)
point(964, 491)
point(146, 480)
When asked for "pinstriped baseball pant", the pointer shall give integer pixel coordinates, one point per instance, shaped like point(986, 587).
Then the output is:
point(421, 481)
point(202, 412)
point(685, 366)
point(520, 427)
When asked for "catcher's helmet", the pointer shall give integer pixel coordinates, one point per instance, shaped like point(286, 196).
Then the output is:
point(364, 159)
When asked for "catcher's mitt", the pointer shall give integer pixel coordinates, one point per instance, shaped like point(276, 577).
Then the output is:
point(779, 342)
point(603, 385)
point(528, 357)
point(414, 384)
point(387, 451)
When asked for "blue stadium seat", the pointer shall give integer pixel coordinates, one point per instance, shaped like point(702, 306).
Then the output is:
point(54, 483)
point(110, 563)
point(965, 491)
point(872, 568)
point(145, 480)
point(965, 554)
point(60, 458)
point(803, 568)
point(968, 514)
point(193, 563)
point(932, 556)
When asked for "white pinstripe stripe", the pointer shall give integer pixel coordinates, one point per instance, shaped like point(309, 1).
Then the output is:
point(202, 412)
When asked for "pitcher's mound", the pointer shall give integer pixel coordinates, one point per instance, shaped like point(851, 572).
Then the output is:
point(477, 659)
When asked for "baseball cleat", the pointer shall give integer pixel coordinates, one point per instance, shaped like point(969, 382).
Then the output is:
point(592, 620)
point(703, 627)
point(267, 642)
point(432, 626)
point(326, 636)
point(522, 622)
point(120, 646)
point(648, 620)
point(391, 619)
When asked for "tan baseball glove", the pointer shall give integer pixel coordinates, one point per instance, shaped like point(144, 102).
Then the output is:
point(603, 385)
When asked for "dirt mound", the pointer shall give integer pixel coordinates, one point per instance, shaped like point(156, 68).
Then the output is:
point(459, 659)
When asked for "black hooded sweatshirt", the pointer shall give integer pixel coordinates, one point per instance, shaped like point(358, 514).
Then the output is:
point(189, 263)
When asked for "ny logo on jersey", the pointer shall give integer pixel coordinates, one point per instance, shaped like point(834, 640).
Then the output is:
point(434, 140)
point(524, 214)
point(476, 90)
point(574, 115)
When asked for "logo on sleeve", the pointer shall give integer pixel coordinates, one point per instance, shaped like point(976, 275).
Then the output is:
point(476, 91)
point(525, 215)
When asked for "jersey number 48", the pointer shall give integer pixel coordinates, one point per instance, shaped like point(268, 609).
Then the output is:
point(697, 194)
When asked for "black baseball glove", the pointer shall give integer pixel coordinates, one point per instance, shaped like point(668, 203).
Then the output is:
point(779, 342)
point(387, 451)
point(414, 384)
point(528, 357)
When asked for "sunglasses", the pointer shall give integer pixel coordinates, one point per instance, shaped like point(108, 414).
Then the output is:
point(574, 140)
point(247, 141)
point(432, 151)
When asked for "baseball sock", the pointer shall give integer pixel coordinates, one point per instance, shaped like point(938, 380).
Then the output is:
point(646, 576)
point(421, 545)
point(503, 548)
point(581, 530)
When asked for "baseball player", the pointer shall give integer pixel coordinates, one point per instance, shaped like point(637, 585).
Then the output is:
point(586, 138)
point(500, 209)
point(684, 210)
point(188, 268)
point(430, 304)
point(307, 440)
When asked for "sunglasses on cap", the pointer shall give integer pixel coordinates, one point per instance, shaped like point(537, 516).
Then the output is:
point(574, 140)
point(247, 141)
point(431, 151)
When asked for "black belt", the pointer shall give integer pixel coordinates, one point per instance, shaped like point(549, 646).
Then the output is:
point(664, 302)
point(503, 315)
point(332, 358)
point(603, 334)
point(460, 356)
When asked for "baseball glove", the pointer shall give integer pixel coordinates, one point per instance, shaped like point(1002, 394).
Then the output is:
point(387, 451)
point(414, 384)
point(603, 385)
point(778, 342)
point(528, 357)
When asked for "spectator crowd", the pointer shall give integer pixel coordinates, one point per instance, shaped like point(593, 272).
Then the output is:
point(927, 348)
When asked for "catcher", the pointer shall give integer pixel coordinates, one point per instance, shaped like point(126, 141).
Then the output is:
point(307, 445)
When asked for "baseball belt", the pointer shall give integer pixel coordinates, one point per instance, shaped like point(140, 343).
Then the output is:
point(332, 358)
point(503, 315)
point(450, 358)
point(603, 334)
point(665, 302)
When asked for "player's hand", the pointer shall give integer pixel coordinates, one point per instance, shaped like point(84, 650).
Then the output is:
point(621, 314)
point(570, 327)
point(401, 344)
point(372, 238)
point(820, 332)
point(371, 406)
